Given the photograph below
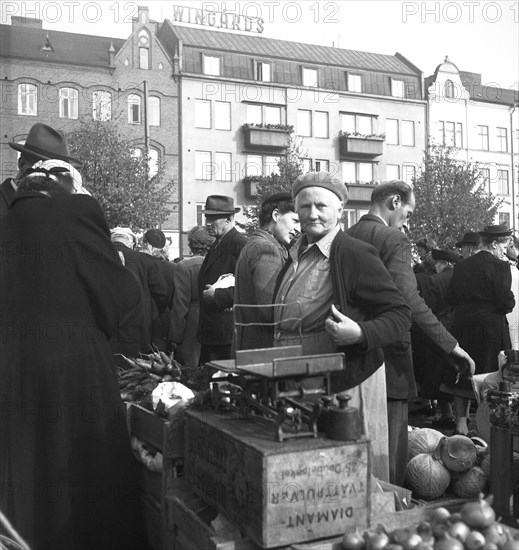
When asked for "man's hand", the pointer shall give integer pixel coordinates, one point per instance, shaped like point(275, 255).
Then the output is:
point(208, 294)
point(464, 361)
point(342, 329)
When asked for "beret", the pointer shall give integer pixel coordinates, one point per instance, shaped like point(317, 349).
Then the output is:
point(320, 179)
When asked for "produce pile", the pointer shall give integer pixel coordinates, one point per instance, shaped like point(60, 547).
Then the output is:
point(474, 527)
point(436, 463)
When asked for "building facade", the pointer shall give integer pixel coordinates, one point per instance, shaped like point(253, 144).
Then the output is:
point(482, 123)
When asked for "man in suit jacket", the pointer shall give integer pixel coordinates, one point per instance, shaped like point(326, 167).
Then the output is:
point(392, 203)
point(216, 324)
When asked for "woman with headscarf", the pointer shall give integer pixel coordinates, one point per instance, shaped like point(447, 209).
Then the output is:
point(66, 466)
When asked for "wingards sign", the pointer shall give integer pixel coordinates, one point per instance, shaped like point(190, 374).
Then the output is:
point(217, 19)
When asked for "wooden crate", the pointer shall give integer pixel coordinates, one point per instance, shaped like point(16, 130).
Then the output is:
point(190, 523)
point(278, 493)
point(167, 437)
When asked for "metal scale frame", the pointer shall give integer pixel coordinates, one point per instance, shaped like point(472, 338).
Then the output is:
point(271, 385)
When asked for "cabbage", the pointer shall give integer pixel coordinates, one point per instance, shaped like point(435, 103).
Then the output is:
point(427, 477)
point(470, 483)
point(458, 453)
point(422, 440)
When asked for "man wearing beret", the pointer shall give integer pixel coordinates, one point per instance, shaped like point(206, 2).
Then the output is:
point(258, 266)
point(347, 301)
point(216, 323)
point(392, 204)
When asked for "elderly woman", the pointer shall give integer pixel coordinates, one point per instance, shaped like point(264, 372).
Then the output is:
point(257, 269)
point(66, 467)
point(185, 309)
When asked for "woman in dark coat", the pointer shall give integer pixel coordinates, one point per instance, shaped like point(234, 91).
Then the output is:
point(66, 468)
point(480, 293)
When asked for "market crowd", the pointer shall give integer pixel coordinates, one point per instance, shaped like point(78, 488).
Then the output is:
point(76, 295)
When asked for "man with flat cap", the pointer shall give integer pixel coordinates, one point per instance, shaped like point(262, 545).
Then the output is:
point(42, 143)
point(347, 300)
point(216, 323)
point(258, 266)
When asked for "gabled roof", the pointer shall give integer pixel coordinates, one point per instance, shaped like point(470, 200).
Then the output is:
point(72, 48)
point(283, 49)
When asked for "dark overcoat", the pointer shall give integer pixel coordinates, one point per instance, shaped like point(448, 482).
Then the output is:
point(481, 295)
point(216, 324)
point(66, 468)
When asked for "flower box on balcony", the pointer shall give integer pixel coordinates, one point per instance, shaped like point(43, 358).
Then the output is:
point(360, 192)
point(268, 136)
point(369, 146)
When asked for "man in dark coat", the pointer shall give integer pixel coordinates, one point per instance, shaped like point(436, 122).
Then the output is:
point(391, 205)
point(216, 323)
point(145, 269)
point(66, 466)
point(42, 143)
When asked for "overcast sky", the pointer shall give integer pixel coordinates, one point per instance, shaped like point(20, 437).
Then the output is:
point(478, 36)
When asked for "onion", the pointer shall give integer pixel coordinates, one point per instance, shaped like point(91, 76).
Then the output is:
point(458, 453)
point(377, 541)
point(471, 483)
point(496, 534)
point(353, 541)
point(478, 514)
point(422, 440)
point(448, 543)
point(459, 530)
point(427, 477)
point(474, 541)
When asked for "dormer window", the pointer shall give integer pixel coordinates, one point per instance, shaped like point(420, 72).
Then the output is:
point(449, 89)
point(354, 82)
point(211, 65)
point(309, 77)
point(144, 50)
point(262, 71)
point(397, 88)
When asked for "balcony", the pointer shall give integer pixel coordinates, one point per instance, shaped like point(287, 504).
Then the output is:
point(360, 192)
point(355, 145)
point(269, 136)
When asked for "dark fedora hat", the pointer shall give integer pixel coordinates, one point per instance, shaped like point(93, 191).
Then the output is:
point(155, 237)
point(472, 237)
point(45, 143)
point(501, 230)
point(445, 255)
point(219, 204)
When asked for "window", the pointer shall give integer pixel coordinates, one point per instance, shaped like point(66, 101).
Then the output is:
point(397, 88)
point(261, 165)
point(27, 99)
point(349, 217)
point(134, 109)
point(222, 115)
point(321, 124)
point(304, 122)
point(502, 182)
point(265, 114)
point(484, 176)
point(223, 169)
point(357, 172)
point(351, 122)
point(321, 165)
point(408, 173)
point(102, 105)
point(262, 71)
point(483, 137)
point(502, 140)
point(202, 113)
point(408, 133)
point(211, 65)
point(144, 50)
point(68, 103)
point(451, 133)
point(309, 77)
point(203, 167)
point(306, 165)
point(153, 111)
point(354, 82)
point(449, 89)
point(153, 162)
point(392, 131)
point(392, 172)
point(504, 217)
point(200, 220)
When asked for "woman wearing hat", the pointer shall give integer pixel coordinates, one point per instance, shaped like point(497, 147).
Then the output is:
point(257, 269)
point(481, 296)
point(63, 438)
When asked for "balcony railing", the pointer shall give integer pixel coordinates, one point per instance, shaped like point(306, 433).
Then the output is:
point(361, 145)
point(360, 191)
point(266, 137)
